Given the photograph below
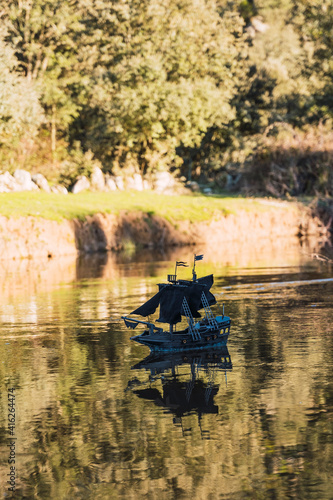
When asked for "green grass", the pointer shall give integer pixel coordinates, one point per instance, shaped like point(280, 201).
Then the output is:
point(179, 207)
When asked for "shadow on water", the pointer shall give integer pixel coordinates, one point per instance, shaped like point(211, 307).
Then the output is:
point(181, 393)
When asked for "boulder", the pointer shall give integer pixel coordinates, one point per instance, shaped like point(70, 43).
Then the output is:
point(59, 189)
point(146, 184)
point(135, 182)
point(193, 186)
point(81, 184)
point(97, 179)
point(119, 182)
point(164, 181)
point(110, 183)
point(41, 182)
point(256, 25)
point(8, 183)
point(23, 179)
point(259, 25)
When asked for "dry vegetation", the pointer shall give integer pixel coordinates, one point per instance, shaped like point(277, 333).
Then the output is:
point(292, 162)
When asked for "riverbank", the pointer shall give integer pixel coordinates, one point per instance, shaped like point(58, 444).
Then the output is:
point(46, 225)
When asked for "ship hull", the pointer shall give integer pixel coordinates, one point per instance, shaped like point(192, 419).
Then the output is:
point(168, 342)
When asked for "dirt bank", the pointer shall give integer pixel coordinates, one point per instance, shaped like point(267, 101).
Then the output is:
point(27, 237)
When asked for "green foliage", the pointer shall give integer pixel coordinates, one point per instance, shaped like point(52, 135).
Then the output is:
point(151, 85)
point(77, 163)
point(162, 77)
point(139, 78)
point(42, 33)
point(20, 111)
point(313, 20)
point(247, 9)
point(283, 82)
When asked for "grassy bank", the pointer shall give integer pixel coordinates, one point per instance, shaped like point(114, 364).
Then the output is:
point(179, 207)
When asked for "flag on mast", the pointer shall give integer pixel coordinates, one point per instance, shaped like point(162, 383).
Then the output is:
point(131, 324)
point(196, 257)
point(179, 263)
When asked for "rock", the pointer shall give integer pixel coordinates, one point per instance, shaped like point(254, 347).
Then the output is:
point(62, 189)
point(135, 182)
point(97, 179)
point(59, 189)
point(163, 181)
point(41, 182)
point(110, 183)
point(256, 25)
point(193, 186)
point(119, 182)
point(145, 184)
point(8, 183)
point(251, 31)
point(259, 25)
point(81, 184)
point(23, 178)
point(138, 182)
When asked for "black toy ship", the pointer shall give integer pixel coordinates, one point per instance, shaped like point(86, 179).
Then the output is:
point(179, 298)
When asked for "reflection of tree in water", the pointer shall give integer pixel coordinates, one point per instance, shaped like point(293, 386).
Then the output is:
point(183, 397)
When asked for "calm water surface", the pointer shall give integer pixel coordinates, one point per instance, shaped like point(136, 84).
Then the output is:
point(96, 419)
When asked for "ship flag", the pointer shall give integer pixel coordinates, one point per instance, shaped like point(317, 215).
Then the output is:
point(198, 257)
point(180, 263)
point(130, 324)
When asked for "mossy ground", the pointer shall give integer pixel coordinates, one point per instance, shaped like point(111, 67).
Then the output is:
point(194, 207)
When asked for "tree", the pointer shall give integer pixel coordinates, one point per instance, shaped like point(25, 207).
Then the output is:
point(162, 74)
point(20, 111)
point(42, 33)
point(314, 20)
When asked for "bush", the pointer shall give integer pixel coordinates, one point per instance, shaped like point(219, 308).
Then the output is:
point(78, 163)
point(292, 162)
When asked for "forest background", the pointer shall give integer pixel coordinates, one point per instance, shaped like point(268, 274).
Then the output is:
point(233, 93)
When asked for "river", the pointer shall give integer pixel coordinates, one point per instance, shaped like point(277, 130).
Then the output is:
point(85, 414)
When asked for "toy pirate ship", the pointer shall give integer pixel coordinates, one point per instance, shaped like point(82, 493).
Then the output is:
point(176, 299)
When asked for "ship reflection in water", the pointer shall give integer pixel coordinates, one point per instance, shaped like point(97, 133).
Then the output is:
point(186, 382)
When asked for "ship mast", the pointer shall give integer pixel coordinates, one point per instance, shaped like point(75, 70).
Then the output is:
point(194, 274)
point(172, 278)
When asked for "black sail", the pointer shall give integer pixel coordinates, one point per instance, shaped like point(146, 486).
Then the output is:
point(171, 304)
point(150, 306)
point(170, 299)
point(208, 281)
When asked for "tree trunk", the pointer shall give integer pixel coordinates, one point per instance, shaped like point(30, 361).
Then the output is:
point(53, 131)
